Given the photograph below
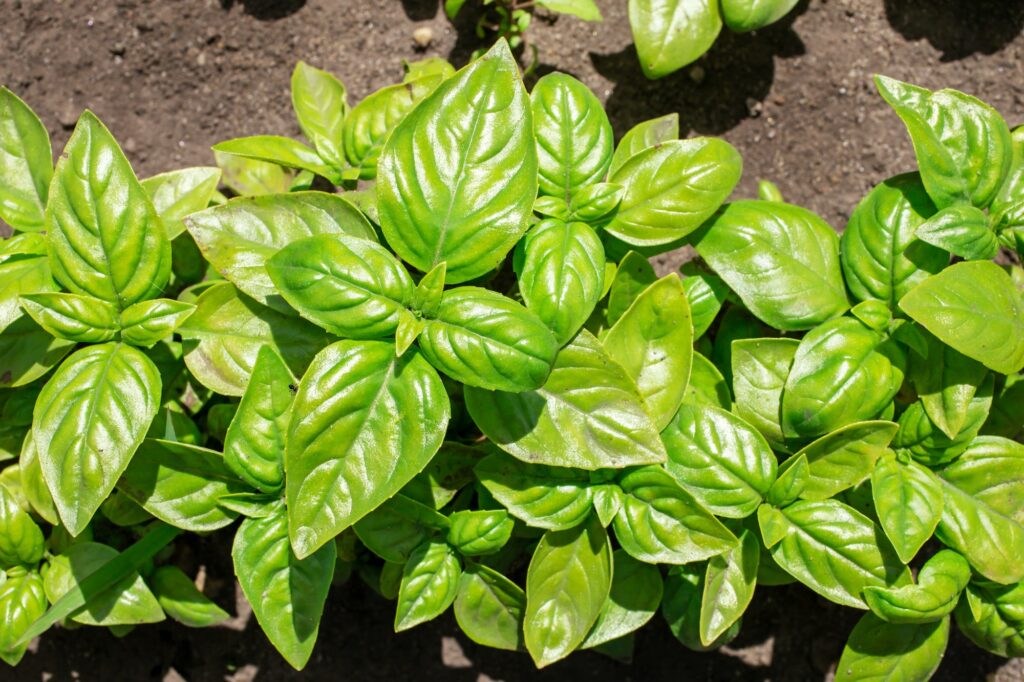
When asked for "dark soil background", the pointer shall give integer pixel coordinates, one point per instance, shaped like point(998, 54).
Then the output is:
point(172, 77)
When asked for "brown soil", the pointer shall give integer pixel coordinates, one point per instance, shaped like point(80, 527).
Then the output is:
point(172, 78)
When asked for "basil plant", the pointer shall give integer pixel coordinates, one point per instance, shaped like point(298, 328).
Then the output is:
point(459, 381)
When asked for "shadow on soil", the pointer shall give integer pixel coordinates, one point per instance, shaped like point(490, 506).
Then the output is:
point(957, 28)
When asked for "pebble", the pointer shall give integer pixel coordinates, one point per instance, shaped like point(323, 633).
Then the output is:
point(423, 36)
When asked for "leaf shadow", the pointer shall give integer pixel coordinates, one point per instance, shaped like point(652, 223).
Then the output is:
point(266, 10)
point(958, 29)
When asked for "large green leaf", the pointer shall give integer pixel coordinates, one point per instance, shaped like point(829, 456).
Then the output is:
point(22, 601)
point(729, 583)
point(644, 135)
point(430, 581)
point(180, 193)
point(633, 275)
point(320, 104)
point(939, 584)
point(669, 34)
point(26, 164)
point(283, 151)
point(89, 419)
point(782, 261)
point(83, 319)
point(990, 616)
point(397, 527)
point(574, 136)
point(588, 414)
point(363, 423)
point(882, 258)
point(483, 339)
point(21, 540)
point(843, 458)
point(653, 342)
point(287, 593)
point(963, 231)
point(634, 599)
point(554, 498)
point(489, 608)
point(239, 237)
point(568, 581)
point(224, 335)
point(671, 188)
point(759, 371)
point(908, 500)
point(457, 178)
point(681, 607)
point(720, 459)
point(878, 650)
point(106, 239)
point(251, 178)
point(974, 307)
point(946, 382)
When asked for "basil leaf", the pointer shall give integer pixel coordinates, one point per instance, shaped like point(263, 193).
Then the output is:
point(908, 500)
point(946, 382)
point(588, 414)
point(831, 548)
point(430, 581)
point(633, 600)
point(562, 278)
point(554, 498)
point(681, 607)
point(719, 459)
point(320, 104)
point(148, 322)
point(489, 608)
point(224, 335)
point(990, 617)
point(746, 239)
point(642, 136)
point(707, 386)
point(283, 151)
point(706, 293)
point(181, 484)
point(973, 307)
point(633, 276)
point(33, 485)
point(347, 450)
point(568, 581)
point(82, 319)
point(759, 371)
point(239, 237)
point(574, 136)
point(843, 458)
point(659, 522)
point(129, 601)
point(397, 527)
point(671, 34)
point(920, 438)
point(963, 146)
point(22, 602)
point(21, 540)
point(249, 177)
point(470, 150)
point(106, 239)
point(963, 231)
point(742, 16)
point(181, 599)
point(449, 471)
point(729, 584)
point(879, 650)
point(90, 418)
point(180, 193)
point(26, 165)
point(22, 274)
point(653, 342)
point(595, 202)
point(938, 588)
point(475, 533)
point(485, 340)
point(584, 9)
point(672, 188)
point(287, 594)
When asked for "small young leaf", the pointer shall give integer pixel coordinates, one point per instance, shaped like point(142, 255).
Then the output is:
point(659, 26)
point(22, 602)
point(430, 582)
point(475, 533)
point(728, 587)
point(938, 588)
point(554, 498)
point(642, 136)
point(181, 599)
point(147, 322)
point(908, 500)
point(963, 231)
point(320, 104)
point(180, 193)
point(83, 319)
point(489, 608)
point(26, 165)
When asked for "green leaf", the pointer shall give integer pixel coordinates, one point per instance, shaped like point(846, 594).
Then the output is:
point(653, 342)
point(584, 9)
point(249, 177)
point(669, 34)
point(364, 422)
point(74, 317)
point(181, 599)
point(659, 522)
point(485, 340)
point(874, 314)
point(843, 372)
point(946, 382)
point(672, 188)
point(562, 278)
point(963, 231)
point(489, 608)
point(283, 151)
point(554, 498)
point(568, 581)
point(782, 261)
point(574, 136)
point(372, 121)
point(320, 104)
point(990, 617)
point(759, 371)
point(719, 459)
point(974, 308)
point(706, 293)
point(180, 193)
point(882, 257)
point(681, 607)
point(106, 239)
point(588, 414)
point(224, 335)
point(33, 485)
point(707, 386)
point(287, 593)
point(239, 237)
point(20, 274)
point(595, 202)
point(27, 352)
point(742, 16)
point(642, 136)
point(90, 418)
point(634, 598)
point(128, 601)
point(181, 484)
point(449, 471)
point(728, 587)
point(923, 440)
point(22, 602)
point(21, 540)
point(832, 548)
point(475, 533)
point(843, 458)
point(26, 164)
point(397, 527)
point(148, 322)
point(457, 178)
point(963, 146)
point(430, 582)
point(939, 584)
point(908, 500)
point(877, 650)
point(633, 276)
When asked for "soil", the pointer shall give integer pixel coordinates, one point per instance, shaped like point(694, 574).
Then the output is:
point(172, 78)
